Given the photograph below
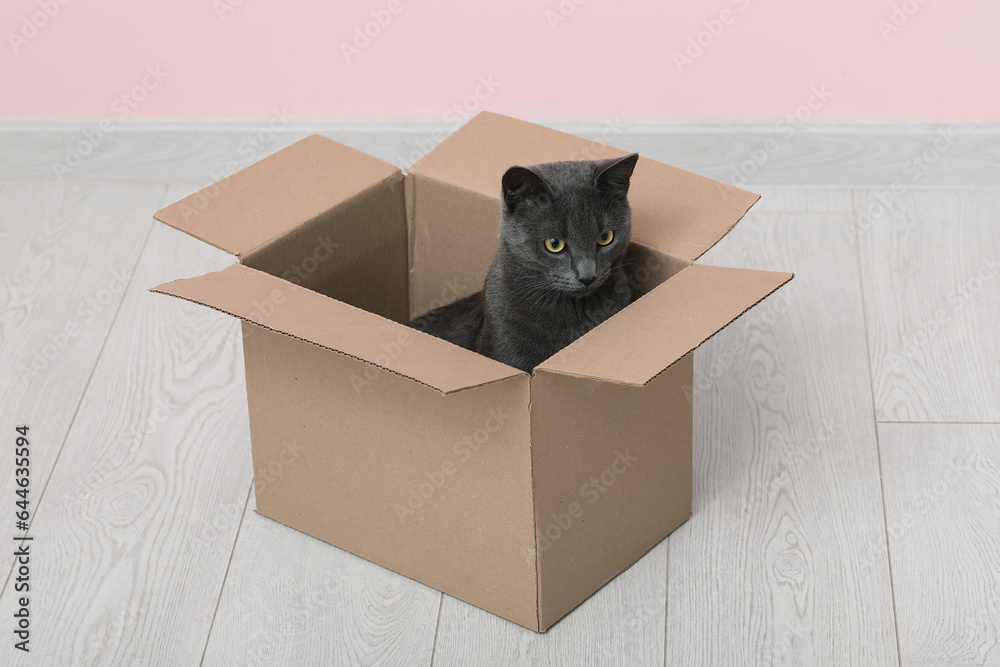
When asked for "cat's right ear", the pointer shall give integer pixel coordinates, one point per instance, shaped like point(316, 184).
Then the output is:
point(613, 174)
point(520, 184)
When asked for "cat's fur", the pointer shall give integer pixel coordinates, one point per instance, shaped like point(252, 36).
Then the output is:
point(535, 302)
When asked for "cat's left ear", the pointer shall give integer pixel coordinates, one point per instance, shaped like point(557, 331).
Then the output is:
point(614, 173)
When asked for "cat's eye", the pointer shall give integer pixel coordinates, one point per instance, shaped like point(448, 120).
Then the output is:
point(554, 245)
point(605, 237)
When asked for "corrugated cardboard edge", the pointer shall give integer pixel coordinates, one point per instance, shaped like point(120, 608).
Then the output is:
point(542, 369)
point(513, 372)
point(156, 216)
point(487, 130)
point(367, 190)
point(785, 282)
point(731, 228)
point(156, 290)
point(376, 165)
point(325, 347)
point(397, 177)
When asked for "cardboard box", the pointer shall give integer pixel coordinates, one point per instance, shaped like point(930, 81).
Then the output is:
point(520, 494)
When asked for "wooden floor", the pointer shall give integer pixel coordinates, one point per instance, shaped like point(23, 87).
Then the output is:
point(847, 460)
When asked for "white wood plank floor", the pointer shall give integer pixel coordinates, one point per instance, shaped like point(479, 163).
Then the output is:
point(847, 459)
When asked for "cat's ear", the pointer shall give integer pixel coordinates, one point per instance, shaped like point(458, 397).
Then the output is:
point(521, 183)
point(613, 174)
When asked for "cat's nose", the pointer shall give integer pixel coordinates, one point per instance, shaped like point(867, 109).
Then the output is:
point(586, 272)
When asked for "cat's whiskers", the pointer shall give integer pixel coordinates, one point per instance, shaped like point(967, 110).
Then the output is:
point(542, 300)
point(526, 289)
point(540, 297)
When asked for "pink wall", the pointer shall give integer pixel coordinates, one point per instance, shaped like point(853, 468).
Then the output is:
point(245, 58)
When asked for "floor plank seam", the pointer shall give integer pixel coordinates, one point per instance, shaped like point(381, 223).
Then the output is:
point(878, 448)
point(225, 575)
point(437, 628)
point(666, 605)
point(888, 553)
point(940, 423)
point(83, 396)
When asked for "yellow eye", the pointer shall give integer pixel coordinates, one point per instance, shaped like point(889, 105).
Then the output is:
point(554, 245)
point(605, 237)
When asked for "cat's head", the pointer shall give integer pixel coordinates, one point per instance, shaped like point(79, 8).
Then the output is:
point(566, 224)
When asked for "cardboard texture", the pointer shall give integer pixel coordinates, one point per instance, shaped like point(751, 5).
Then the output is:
point(520, 494)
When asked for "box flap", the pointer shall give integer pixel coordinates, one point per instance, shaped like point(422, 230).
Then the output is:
point(276, 195)
point(281, 306)
point(673, 210)
point(656, 330)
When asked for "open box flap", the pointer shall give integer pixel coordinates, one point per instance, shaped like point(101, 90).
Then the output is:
point(656, 330)
point(673, 210)
point(281, 306)
point(276, 195)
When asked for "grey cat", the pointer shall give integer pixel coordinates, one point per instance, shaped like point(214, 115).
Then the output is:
point(559, 268)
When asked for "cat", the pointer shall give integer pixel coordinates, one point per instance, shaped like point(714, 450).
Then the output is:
point(559, 267)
